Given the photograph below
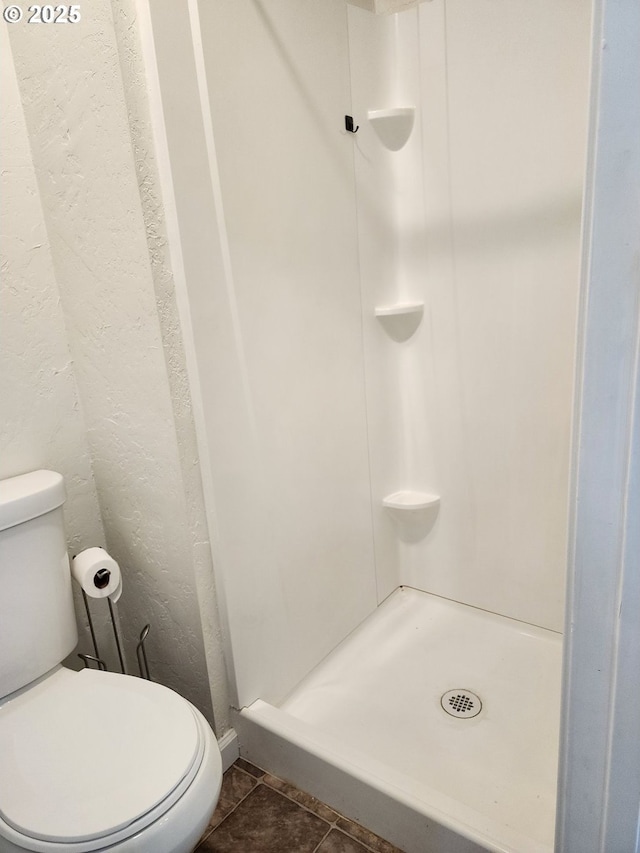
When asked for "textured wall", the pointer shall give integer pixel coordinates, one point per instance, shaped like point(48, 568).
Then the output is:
point(122, 334)
point(136, 93)
point(42, 425)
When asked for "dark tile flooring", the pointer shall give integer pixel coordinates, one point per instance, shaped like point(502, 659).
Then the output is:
point(258, 813)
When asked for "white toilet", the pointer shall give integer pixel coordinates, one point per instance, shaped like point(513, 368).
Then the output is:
point(89, 761)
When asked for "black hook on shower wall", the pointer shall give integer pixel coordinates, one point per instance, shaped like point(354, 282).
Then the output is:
point(348, 123)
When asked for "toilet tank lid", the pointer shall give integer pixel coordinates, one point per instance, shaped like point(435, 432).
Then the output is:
point(29, 496)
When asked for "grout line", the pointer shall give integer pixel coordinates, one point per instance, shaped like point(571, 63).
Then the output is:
point(322, 840)
point(231, 811)
point(330, 824)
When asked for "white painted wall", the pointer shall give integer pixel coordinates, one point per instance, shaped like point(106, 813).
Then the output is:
point(116, 297)
point(44, 427)
point(42, 424)
point(599, 783)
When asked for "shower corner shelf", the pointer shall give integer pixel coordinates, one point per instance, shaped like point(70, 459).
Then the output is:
point(401, 320)
point(411, 501)
point(399, 309)
point(393, 126)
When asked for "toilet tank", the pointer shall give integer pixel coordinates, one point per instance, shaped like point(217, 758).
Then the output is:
point(37, 621)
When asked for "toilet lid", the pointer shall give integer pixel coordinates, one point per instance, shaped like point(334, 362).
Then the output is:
point(85, 754)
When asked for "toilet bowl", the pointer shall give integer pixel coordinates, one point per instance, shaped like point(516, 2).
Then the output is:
point(93, 760)
point(90, 760)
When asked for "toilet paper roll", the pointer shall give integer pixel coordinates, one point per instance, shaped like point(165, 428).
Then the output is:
point(97, 573)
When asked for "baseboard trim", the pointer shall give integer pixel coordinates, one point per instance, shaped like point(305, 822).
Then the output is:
point(229, 748)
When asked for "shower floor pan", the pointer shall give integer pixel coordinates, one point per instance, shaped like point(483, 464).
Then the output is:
point(367, 732)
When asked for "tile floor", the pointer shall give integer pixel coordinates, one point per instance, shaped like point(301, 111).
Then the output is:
point(258, 813)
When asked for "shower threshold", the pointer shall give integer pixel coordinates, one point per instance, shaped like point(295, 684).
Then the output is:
point(368, 731)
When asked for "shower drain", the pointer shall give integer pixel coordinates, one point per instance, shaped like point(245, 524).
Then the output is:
point(461, 703)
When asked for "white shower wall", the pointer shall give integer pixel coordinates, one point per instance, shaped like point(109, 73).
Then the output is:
point(292, 232)
point(518, 127)
point(482, 208)
point(291, 479)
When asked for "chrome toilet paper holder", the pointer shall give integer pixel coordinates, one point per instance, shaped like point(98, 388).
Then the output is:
point(141, 654)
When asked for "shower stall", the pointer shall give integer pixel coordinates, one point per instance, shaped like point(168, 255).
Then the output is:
point(384, 322)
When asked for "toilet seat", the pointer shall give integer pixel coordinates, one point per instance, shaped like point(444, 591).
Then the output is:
point(83, 732)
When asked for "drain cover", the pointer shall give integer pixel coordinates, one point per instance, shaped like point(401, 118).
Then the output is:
point(461, 703)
